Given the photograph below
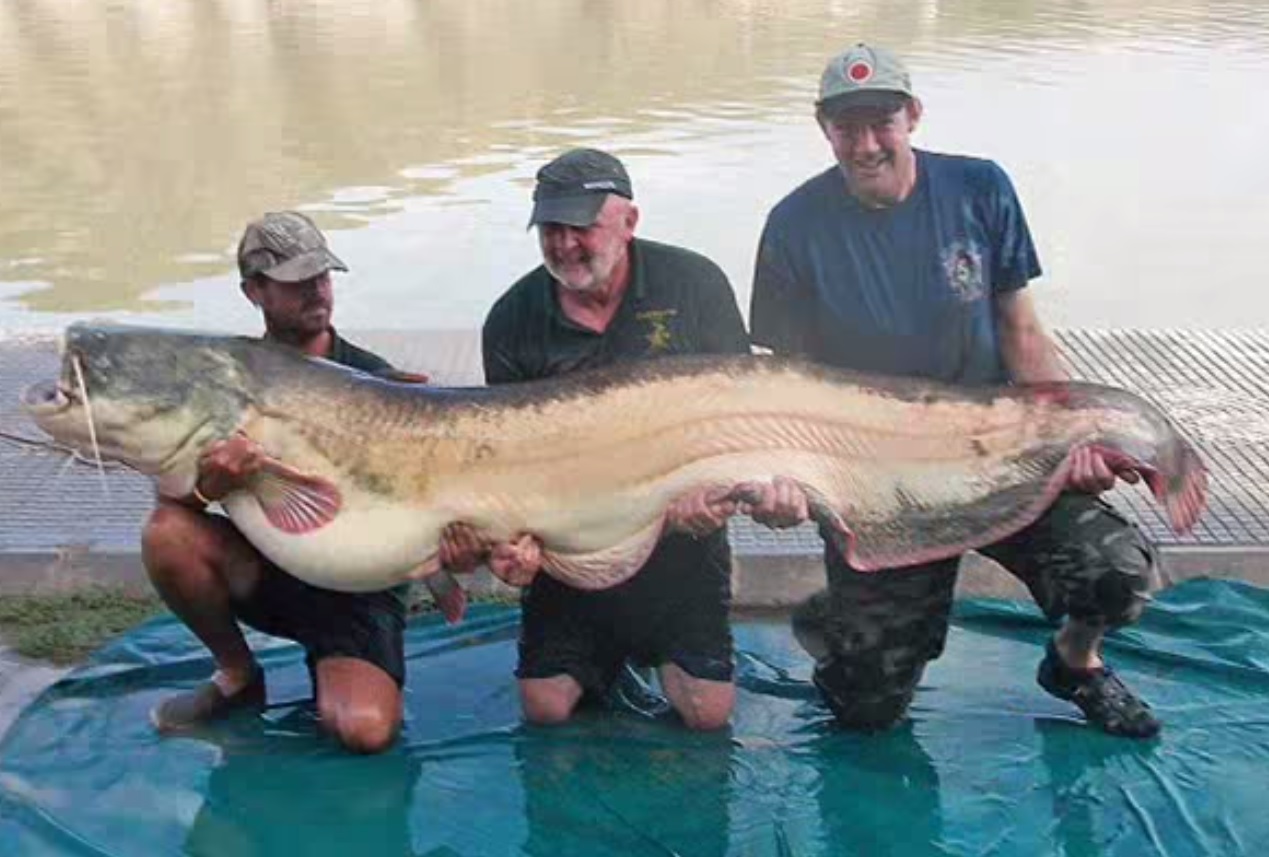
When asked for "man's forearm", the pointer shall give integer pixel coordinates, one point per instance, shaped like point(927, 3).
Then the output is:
point(1028, 352)
point(1032, 358)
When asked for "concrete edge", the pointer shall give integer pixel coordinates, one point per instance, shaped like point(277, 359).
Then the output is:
point(758, 580)
point(781, 580)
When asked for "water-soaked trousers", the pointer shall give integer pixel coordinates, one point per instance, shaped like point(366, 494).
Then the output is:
point(872, 634)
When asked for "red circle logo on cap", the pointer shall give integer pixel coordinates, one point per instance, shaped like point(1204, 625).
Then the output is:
point(858, 71)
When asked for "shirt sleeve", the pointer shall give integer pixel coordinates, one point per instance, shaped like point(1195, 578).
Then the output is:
point(360, 359)
point(1014, 257)
point(496, 350)
point(720, 328)
point(778, 303)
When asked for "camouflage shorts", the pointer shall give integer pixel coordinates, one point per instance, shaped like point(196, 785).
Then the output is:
point(872, 634)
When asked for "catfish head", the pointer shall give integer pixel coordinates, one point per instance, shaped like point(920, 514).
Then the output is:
point(149, 398)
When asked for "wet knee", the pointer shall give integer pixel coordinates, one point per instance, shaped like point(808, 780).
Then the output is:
point(873, 715)
point(546, 709)
point(863, 703)
point(708, 711)
point(365, 729)
point(706, 719)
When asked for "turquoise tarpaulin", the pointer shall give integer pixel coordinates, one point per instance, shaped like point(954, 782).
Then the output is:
point(987, 763)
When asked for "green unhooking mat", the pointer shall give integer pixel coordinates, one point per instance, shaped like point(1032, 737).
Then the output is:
point(987, 764)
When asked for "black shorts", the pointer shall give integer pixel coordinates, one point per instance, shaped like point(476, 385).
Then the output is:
point(675, 610)
point(369, 626)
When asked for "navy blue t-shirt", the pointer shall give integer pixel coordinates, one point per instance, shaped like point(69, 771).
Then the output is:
point(906, 290)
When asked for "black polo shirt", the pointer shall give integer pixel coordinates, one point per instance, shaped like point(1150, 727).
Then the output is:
point(345, 353)
point(678, 302)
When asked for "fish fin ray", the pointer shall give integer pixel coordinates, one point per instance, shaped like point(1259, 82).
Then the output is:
point(1183, 491)
point(605, 568)
point(448, 594)
point(293, 502)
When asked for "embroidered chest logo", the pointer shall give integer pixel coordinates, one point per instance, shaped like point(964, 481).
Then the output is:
point(963, 268)
point(658, 334)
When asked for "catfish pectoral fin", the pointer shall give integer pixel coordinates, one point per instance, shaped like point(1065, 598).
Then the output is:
point(292, 501)
point(449, 596)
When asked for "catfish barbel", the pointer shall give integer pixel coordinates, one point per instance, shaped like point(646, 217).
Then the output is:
point(364, 473)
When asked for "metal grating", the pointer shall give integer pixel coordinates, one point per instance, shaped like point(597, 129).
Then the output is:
point(1214, 384)
point(46, 505)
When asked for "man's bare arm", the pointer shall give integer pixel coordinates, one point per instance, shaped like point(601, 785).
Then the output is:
point(1031, 357)
point(1028, 353)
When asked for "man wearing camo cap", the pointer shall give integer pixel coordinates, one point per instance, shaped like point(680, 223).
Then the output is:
point(903, 261)
point(212, 577)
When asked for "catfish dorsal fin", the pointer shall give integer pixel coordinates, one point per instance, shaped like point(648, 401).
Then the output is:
point(293, 502)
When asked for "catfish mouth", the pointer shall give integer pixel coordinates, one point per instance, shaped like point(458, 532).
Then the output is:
point(45, 398)
point(63, 410)
point(53, 396)
point(53, 403)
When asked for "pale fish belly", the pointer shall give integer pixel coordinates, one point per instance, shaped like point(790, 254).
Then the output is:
point(603, 542)
point(370, 545)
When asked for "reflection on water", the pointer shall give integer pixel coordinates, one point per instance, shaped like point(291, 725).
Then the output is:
point(136, 138)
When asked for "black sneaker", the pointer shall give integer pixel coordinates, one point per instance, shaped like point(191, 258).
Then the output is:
point(1106, 701)
point(204, 703)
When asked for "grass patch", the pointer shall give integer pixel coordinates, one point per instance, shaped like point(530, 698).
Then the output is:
point(63, 627)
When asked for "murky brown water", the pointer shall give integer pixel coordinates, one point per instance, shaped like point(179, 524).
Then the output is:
point(137, 137)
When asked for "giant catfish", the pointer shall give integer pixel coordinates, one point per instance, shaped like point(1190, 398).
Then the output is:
point(365, 472)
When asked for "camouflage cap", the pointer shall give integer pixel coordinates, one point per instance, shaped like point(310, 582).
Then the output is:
point(285, 246)
point(572, 188)
point(864, 77)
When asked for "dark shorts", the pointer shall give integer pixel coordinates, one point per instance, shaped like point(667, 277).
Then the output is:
point(873, 634)
point(367, 626)
point(675, 610)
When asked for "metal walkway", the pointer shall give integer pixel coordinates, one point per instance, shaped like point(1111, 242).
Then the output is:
point(1215, 385)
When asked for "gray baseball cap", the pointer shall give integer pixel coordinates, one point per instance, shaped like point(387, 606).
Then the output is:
point(285, 246)
point(864, 77)
point(572, 188)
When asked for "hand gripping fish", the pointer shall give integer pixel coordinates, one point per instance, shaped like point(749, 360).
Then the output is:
point(365, 473)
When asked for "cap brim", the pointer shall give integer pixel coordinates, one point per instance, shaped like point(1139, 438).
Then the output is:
point(872, 100)
point(306, 266)
point(579, 211)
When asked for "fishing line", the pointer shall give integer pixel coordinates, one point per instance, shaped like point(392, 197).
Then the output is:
point(32, 443)
point(70, 459)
